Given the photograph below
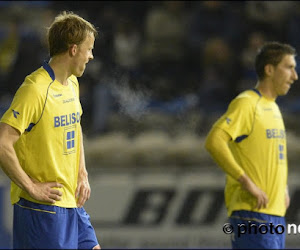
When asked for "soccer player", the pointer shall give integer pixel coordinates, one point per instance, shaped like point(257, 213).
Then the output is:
point(249, 143)
point(41, 147)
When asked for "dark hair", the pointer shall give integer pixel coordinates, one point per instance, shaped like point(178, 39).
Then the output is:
point(271, 53)
point(67, 29)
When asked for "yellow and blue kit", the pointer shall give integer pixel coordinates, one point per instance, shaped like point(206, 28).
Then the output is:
point(47, 114)
point(258, 145)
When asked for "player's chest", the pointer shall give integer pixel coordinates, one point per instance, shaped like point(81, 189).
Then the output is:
point(62, 108)
point(268, 116)
point(62, 101)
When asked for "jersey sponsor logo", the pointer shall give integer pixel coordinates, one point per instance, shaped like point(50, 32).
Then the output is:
point(57, 95)
point(15, 113)
point(275, 133)
point(69, 139)
point(268, 109)
point(281, 151)
point(66, 120)
point(69, 100)
point(278, 116)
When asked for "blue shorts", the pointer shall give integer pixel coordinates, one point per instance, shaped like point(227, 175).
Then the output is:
point(38, 226)
point(254, 230)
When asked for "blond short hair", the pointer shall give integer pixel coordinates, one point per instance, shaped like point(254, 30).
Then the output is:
point(67, 29)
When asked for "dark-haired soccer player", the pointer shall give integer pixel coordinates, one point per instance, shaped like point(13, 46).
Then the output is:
point(249, 143)
point(41, 148)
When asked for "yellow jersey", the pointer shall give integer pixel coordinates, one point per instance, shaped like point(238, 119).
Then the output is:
point(47, 114)
point(258, 145)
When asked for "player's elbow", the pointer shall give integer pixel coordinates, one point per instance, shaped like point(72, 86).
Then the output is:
point(8, 136)
point(4, 147)
point(3, 151)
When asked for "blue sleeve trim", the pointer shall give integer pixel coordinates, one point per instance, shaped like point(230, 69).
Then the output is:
point(31, 125)
point(240, 138)
point(50, 71)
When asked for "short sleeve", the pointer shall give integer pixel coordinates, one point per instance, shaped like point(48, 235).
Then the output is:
point(25, 109)
point(238, 119)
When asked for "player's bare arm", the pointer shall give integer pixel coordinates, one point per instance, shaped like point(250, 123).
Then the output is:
point(217, 145)
point(10, 164)
point(83, 190)
point(287, 197)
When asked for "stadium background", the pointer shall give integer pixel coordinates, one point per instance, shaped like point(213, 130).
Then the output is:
point(163, 72)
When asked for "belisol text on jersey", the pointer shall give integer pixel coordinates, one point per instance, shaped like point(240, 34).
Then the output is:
point(275, 133)
point(66, 120)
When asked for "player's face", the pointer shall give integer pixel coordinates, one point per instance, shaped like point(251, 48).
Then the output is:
point(284, 75)
point(84, 54)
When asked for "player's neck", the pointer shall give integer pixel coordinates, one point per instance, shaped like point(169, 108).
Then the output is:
point(60, 69)
point(266, 90)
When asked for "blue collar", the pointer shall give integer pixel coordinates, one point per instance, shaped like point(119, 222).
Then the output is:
point(50, 71)
point(257, 91)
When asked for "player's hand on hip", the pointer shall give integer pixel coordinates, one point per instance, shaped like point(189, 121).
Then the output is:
point(83, 190)
point(46, 191)
point(261, 196)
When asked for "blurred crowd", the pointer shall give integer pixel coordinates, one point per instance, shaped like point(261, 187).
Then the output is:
point(152, 56)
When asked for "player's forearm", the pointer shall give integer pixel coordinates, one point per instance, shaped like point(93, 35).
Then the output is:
point(287, 197)
point(82, 166)
point(12, 168)
point(245, 180)
point(217, 145)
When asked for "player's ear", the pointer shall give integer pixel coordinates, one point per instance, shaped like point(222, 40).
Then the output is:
point(73, 49)
point(269, 69)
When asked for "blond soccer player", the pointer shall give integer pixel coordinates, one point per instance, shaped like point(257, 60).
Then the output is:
point(41, 148)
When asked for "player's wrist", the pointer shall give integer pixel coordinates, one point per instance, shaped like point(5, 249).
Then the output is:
point(83, 173)
point(29, 188)
point(243, 178)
